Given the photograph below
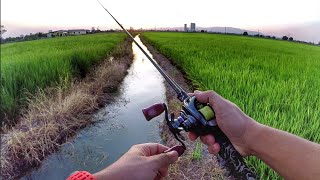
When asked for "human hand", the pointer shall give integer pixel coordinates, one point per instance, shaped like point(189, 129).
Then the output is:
point(143, 161)
point(231, 120)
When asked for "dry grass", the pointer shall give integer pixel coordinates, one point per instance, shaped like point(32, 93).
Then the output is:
point(186, 167)
point(189, 168)
point(54, 115)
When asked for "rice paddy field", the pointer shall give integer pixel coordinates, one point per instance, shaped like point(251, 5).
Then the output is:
point(29, 66)
point(273, 81)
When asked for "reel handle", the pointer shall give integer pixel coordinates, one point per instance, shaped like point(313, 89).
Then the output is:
point(153, 111)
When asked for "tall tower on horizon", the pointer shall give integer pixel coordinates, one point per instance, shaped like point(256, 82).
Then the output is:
point(185, 28)
point(193, 27)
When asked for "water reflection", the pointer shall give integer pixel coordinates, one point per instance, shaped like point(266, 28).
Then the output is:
point(120, 125)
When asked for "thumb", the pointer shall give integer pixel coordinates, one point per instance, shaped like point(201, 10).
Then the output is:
point(211, 97)
point(163, 159)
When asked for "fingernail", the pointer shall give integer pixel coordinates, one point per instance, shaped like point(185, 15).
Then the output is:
point(178, 149)
point(172, 153)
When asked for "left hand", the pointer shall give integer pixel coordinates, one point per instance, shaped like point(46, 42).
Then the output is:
point(143, 162)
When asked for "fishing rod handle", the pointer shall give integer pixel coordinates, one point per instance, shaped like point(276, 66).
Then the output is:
point(230, 159)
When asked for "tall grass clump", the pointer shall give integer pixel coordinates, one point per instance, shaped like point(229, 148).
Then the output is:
point(275, 82)
point(29, 66)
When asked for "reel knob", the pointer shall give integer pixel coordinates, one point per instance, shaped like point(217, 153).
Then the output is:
point(153, 111)
point(180, 149)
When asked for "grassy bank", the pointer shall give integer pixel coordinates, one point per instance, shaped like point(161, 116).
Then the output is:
point(29, 66)
point(275, 82)
point(55, 114)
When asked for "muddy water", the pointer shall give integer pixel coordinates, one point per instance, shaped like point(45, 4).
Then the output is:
point(119, 125)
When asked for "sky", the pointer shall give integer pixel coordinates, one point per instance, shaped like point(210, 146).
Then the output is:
point(267, 16)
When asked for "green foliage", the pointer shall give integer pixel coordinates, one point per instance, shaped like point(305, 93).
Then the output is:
point(3, 30)
point(197, 152)
point(275, 82)
point(28, 66)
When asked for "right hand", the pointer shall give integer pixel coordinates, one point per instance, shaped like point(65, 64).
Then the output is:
point(231, 120)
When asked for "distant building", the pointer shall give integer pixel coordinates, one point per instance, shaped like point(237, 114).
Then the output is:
point(185, 28)
point(73, 32)
point(78, 31)
point(59, 33)
point(193, 27)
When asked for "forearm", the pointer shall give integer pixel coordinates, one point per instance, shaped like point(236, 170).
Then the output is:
point(291, 156)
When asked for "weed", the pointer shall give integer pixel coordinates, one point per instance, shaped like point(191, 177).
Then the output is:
point(197, 152)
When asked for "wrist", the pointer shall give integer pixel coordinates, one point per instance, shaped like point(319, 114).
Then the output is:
point(104, 174)
point(252, 135)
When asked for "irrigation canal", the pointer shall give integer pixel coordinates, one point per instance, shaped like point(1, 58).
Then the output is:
point(119, 125)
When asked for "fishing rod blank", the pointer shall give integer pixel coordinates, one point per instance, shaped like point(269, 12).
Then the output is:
point(180, 92)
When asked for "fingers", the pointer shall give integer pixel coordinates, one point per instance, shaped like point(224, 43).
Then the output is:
point(192, 136)
point(150, 149)
point(210, 97)
point(214, 149)
point(163, 159)
point(208, 140)
point(203, 97)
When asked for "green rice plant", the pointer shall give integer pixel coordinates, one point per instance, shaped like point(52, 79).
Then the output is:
point(275, 82)
point(29, 66)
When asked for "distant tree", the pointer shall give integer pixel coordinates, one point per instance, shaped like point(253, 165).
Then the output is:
point(284, 38)
point(3, 30)
point(245, 33)
point(202, 31)
point(256, 35)
point(273, 37)
point(40, 35)
point(261, 35)
point(290, 39)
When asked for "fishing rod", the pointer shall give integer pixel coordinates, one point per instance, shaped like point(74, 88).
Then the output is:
point(194, 117)
point(180, 92)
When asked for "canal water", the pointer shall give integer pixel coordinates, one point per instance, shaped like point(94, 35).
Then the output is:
point(119, 125)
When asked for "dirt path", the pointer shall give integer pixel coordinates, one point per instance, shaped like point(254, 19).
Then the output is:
point(55, 115)
point(188, 165)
